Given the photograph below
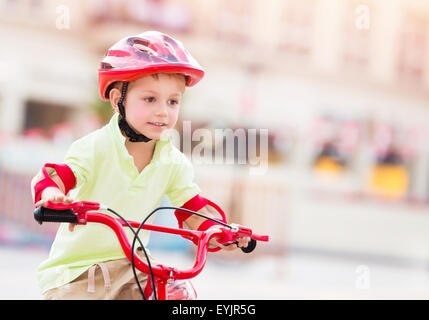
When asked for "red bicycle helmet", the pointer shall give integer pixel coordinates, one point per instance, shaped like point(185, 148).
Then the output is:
point(146, 53)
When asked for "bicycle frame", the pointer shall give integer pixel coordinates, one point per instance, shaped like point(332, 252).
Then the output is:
point(162, 273)
point(78, 212)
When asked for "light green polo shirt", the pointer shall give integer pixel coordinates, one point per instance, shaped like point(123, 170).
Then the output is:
point(105, 173)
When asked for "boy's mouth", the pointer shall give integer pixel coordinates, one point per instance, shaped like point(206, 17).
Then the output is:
point(158, 124)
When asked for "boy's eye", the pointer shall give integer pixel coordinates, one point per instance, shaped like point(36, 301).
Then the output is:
point(149, 99)
point(173, 102)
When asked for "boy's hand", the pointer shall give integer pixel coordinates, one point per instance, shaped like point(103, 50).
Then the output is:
point(56, 196)
point(242, 242)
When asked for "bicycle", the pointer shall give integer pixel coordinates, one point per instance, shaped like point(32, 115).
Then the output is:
point(160, 276)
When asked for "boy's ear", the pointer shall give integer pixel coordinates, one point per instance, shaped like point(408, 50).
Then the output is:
point(114, 96)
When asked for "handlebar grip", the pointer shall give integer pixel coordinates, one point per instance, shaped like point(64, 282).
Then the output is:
point(251, 245)
point(42, 214)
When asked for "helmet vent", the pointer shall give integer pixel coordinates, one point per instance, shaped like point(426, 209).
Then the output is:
point(142, 46)
point(169, 46)
point(105, 65)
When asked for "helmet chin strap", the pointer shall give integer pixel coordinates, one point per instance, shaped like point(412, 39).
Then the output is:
point(123, 124)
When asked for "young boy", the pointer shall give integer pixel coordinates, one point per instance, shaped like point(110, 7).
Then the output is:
point(128, 165)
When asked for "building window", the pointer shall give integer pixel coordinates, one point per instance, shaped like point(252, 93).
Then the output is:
point(36, 5)
point(170, 15)
point(11, 4)
point(296, 27)
point(412, 44)
point(232, 21)
point(44, 115)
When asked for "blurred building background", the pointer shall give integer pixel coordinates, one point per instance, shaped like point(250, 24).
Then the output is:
point(341, 86)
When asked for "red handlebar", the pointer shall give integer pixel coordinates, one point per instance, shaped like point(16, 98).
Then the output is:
point(224, 235)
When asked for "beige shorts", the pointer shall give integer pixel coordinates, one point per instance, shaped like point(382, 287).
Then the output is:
point(111, 280)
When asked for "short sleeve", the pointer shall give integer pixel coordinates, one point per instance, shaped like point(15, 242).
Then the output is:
point(182, 187)
point(78, 159)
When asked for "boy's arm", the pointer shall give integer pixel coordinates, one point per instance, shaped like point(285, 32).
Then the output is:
point(49, 190)
point(54, 179)
point(194, 222)
point(51, 193)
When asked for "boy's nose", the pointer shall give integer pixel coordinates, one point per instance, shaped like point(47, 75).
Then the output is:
point(162, 110)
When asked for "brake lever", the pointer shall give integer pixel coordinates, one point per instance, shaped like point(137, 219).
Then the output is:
point(237, 231)
point(230, 237)
point(78, 206)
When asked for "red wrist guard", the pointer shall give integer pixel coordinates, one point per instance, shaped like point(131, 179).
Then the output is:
point(64, 173)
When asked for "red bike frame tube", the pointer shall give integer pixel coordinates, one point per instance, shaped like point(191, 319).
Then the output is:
point(159, 271)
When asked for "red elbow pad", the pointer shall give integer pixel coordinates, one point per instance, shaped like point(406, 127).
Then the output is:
point(64, 173)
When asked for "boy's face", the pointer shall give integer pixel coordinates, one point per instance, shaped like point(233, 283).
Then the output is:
point(152, 103)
